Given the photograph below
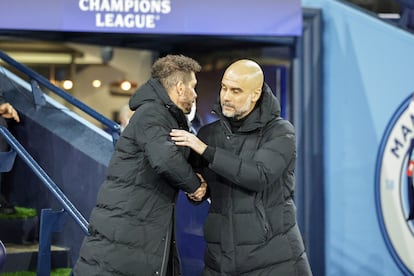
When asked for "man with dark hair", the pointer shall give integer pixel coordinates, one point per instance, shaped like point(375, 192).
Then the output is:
point(132, 225)
point(248, 160)
point(7, 112)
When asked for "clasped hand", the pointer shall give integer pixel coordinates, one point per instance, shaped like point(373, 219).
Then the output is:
point(201, 191)
point(187, 139)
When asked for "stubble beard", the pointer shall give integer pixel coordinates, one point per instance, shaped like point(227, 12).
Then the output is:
point(238, 114)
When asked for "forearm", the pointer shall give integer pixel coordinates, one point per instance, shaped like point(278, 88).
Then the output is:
point(198, 146)
point(208, 154)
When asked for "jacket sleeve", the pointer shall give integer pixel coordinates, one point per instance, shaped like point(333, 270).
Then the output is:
point(153, 132)
point(274, 157)
point(2, 99)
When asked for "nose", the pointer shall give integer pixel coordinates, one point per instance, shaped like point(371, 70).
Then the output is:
point(225, 95)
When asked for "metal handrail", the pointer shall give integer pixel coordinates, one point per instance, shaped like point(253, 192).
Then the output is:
point(44, 177)
point(113, 126)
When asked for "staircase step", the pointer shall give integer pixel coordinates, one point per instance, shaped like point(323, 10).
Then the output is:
point(19, 231)
point(21, 257)
point(20, 227)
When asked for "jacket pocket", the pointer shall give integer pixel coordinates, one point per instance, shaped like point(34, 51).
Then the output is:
point(261, 213)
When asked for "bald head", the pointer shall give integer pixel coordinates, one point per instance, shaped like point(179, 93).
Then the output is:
point(241, 88)
point(247, 72)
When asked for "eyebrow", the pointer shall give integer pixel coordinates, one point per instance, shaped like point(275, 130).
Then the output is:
point(232, 87)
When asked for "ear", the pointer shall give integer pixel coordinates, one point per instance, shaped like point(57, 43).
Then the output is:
point(180, 87)
point(256, 94)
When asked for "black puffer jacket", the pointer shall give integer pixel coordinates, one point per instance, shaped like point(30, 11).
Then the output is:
point(251, 226)
point(131, 225)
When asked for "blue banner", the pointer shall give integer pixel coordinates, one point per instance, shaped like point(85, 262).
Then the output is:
point(196, 17)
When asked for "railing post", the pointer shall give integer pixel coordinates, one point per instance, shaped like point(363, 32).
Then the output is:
point(115, 137)
point(50, 221)
point(38, 97)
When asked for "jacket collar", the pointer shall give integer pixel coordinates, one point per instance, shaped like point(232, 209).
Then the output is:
point(267, 108)
point(152, 91)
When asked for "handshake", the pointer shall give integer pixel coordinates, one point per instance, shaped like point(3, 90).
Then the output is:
point(200, 192)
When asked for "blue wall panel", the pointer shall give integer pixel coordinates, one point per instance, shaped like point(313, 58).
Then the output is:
point(367, 75)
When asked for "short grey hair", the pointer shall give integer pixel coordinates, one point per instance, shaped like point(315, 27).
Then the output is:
point(174, 68)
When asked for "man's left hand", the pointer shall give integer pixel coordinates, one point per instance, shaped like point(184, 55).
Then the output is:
point(7, 111)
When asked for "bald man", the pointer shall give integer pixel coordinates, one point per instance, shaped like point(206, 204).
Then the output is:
point(248, 159)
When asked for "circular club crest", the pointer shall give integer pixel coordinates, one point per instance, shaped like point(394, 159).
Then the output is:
point(394, 186)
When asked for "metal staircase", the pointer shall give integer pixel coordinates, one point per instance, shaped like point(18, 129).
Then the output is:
point(42, 256)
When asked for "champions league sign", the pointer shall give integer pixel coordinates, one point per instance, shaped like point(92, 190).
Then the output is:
point(196, 17)
point(126, 14)
point(395, 186)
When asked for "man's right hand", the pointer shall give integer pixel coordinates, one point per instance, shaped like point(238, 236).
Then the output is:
point(201, 191)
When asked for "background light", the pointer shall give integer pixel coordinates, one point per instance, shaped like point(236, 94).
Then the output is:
point(126, 85)
point(96, 83)
point(67, 84)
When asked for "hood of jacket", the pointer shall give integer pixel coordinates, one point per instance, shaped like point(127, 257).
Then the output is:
point(267, 108)
point(150, 91)
point(153, 91)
